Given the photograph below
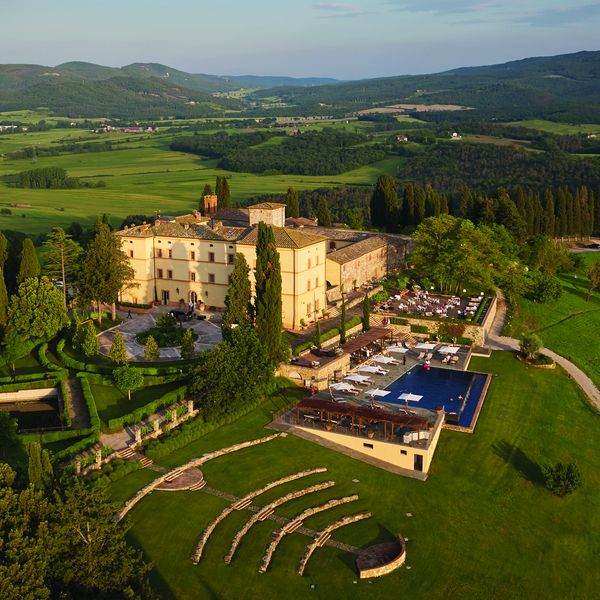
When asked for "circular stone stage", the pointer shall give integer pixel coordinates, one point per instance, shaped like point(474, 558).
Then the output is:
point(381, 559)
point(189, 479)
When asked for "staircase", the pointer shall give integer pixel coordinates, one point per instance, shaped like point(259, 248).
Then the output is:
point(198, 486)
point(130, 454)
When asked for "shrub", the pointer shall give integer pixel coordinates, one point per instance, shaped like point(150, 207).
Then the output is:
point(419, 328)
point(90, 403)
point(562, 478)
point(530, 345)
point(134, 305)
point(543, 359)
point(398, 321)
point(380, 296)
point(543, 287)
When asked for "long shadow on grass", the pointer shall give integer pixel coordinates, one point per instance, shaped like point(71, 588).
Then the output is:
point(383, 536)
point(515, 457)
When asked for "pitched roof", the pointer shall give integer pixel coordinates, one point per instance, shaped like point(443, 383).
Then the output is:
point(354, 251)
point(175, 229)
point(267, 206)
point(284, 238)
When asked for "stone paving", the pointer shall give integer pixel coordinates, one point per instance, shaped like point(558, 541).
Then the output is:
point(208, 331)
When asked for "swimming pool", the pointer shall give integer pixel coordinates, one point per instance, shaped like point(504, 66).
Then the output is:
point(442, 387)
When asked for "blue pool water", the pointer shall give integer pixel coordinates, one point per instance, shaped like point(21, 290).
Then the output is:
point(438, 386)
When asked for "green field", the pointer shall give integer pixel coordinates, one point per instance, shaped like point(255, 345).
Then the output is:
point(569, 326)
point(483, 526)
point(558, 128)
point(142, 177)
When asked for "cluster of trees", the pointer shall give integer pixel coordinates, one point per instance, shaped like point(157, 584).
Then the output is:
point(47, 177)
point(328, 152)
point(59, 539)
point(219, 144)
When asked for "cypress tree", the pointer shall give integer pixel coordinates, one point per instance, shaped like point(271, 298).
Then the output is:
point(466, 205)
point(207, 191)
point(548, 221)
point(268, 293)
point(238, 307)
point(318, 334)
point(3, 302)
point(39, 468)
point(324, 214)
point(292, 206)
point(419, 214)
point(188, 345)
point(343, 321)
point(30, 267)
point(118, 352)
point(60, 257)
point(384, 202)
point(408, 206)
point(219, 188)
point(3, 251)
point(89, 342)
point(366, 318)
point(222, 191)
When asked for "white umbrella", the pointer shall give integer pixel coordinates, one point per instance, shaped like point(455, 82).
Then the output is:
point(370, 369)
point(342, 387)
point(386, 360)
point(398, 349)
point(376, 392)
point(448, 350)
point(425, 346)
point(357, 378)
point(408, 397)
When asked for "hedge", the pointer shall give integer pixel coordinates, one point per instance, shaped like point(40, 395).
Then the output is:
point(197, 428)
point(76, 448)
point(134, 305)
point(398, 321)
point(464, 341)
point(353, 322)
point(28, 377)
point(149, 409)
point(482, 307)
point(30, 385)
point(66, 406)
point(90, 403)
point(419, 329)
point(114, 470)
point(54, 436)
point(44, 360)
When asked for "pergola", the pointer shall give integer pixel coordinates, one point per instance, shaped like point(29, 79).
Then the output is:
point(375, 334)
point(360, 413)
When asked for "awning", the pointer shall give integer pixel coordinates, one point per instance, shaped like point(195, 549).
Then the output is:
point(408, 397)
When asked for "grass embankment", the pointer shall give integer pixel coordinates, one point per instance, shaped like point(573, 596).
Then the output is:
point(569, 326)
point(483, 526)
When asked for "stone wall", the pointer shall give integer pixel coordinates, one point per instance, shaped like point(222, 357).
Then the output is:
point(322, 375)
point(362, 562)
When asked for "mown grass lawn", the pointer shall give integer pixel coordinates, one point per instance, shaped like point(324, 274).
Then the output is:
point(112, 402)
point(569, 326)
point(483, 526)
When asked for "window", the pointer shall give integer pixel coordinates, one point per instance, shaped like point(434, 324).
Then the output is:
point(230, 259)
point(308, 285)
point(317, 282)
point(131, 254)
point(192, 255)
point(317, 305)
point(159, 253)
point(317, 260)
point(332, 245)
point(368, 445)
point(211, 278)
point(211, 257)
point(170, 253)
point(169, 274)
point(192, 276)
point(404, 452)
point(159, 273)
point(308, 309)
point(309, 263)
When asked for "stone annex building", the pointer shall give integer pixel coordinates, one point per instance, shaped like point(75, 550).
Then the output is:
point(189, 259)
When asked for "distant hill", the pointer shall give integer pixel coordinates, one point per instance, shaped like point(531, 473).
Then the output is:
point(565, 87)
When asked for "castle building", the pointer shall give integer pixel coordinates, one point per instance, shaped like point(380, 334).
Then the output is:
point(189, 259)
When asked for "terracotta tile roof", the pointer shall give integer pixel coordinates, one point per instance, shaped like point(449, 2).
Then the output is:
point(350, 253)
point(234, 216)
point(179, 230)
point(300, 222)
point(267, 205)
point(284, 238)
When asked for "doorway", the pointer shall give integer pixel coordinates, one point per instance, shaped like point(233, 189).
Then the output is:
point(193, 298)
point(165, 297)
point(418, 462)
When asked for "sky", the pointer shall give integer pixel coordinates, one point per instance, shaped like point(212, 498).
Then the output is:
point(345, 40)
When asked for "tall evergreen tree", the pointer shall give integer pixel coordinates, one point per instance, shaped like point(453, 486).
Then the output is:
point(268, 293)
point(318, 334)
point(366, 309)
point(549, 218)
point(151, 350)
point(238, 306)
point(89, 341)
point(3, 251)
point(324, 214)
point(292, 206)
point(3, 302)
point(188, 345)
point(222, 191)
point(118, 352)
point(104, 270)
point(384, 202)
point(408, 206)
point(60, 257)
point(467, 204)
point(39, 470)
point(343, 320)
point(30, 266)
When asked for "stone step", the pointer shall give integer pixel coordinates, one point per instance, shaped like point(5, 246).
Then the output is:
point(146, 462)
point(198, 486)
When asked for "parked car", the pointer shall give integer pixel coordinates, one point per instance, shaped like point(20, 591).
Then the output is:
point(182, 315)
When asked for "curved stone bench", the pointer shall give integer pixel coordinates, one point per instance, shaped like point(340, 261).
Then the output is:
point(245, 501)
point(196, 462)
point(381, 559)
point(295, 523)
point(268, 509)
point(324, 535)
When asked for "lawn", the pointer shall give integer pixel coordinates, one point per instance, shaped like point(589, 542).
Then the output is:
point(569, 326)
point(112, 403)
point(142, 176)
point(558, 128)
point(26, 365)
point(483, 525)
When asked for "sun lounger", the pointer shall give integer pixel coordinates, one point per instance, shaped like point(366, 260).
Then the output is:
point(421, 356)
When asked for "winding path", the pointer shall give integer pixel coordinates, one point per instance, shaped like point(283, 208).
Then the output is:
point(499, 342)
